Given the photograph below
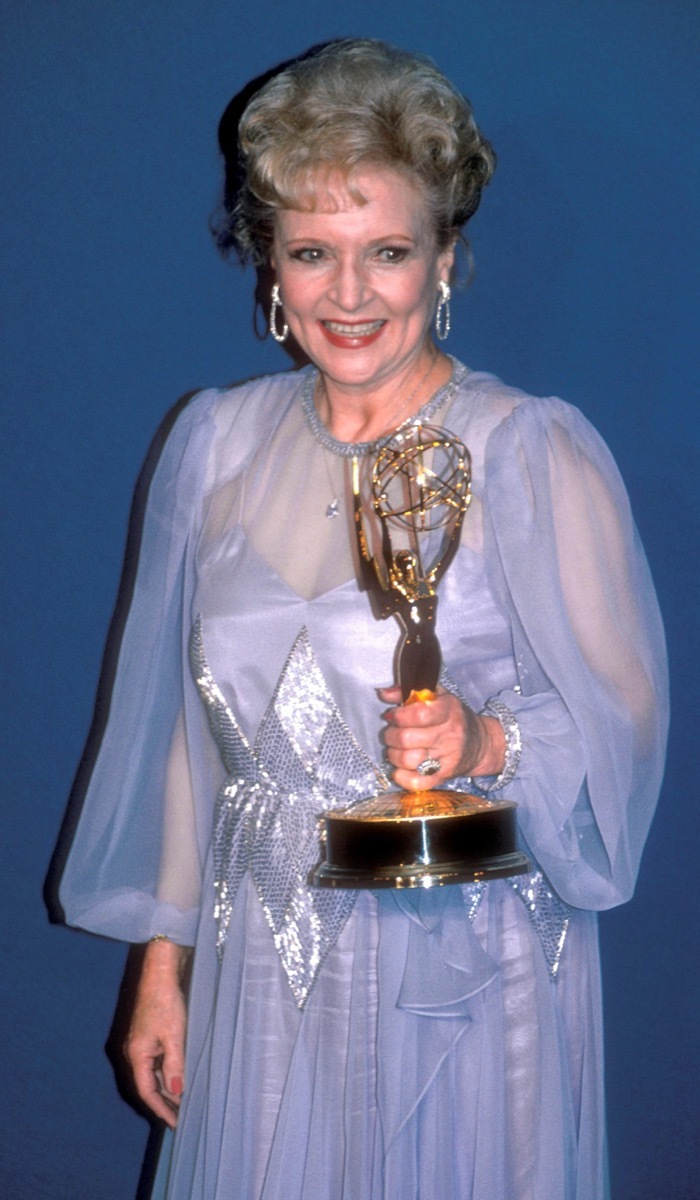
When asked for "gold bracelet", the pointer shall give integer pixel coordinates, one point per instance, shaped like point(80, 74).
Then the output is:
point(159, 937)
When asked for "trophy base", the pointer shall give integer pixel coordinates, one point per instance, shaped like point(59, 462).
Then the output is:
point(419, 839)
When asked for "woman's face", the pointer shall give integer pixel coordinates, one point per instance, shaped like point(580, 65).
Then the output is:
point(359, 281)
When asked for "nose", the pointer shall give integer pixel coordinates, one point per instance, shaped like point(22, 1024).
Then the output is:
point(349, 288)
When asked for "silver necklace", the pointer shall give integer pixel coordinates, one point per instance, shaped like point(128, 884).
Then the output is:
point(362, 449)
point(333, 508)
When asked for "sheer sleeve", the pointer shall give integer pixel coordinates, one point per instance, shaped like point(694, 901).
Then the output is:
point(592, 703)
point(135, 864)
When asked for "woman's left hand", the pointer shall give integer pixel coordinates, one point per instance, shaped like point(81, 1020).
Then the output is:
point(444, 729)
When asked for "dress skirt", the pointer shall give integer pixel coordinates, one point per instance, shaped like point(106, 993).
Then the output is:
point(392, 1083)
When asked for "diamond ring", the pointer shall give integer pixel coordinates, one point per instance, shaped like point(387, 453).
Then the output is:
point(429, 766)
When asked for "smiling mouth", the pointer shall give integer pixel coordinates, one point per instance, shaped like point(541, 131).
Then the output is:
point(353, 330)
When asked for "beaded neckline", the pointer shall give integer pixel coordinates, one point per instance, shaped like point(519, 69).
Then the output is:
point(361, 449)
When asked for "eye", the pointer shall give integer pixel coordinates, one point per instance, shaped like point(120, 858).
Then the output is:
point(307, 254)
point(393, 254)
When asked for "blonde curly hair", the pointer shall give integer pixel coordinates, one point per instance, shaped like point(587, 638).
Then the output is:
point(349, 103)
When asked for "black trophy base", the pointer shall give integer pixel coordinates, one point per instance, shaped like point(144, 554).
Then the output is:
point(419, 839)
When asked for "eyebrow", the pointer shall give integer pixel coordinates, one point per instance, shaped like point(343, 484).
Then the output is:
point(324, 241)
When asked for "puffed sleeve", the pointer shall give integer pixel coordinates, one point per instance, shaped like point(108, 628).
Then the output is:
point(566, 562)
point(135, 864)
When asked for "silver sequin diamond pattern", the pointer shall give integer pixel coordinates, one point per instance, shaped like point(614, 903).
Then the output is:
point(305, 760)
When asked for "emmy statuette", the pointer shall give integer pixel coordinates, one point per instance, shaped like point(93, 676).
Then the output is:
point(419, 494)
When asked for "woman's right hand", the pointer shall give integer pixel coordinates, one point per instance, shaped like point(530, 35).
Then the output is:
point(155, 1044)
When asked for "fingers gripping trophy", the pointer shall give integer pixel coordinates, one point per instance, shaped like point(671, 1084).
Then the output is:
point(415, 500)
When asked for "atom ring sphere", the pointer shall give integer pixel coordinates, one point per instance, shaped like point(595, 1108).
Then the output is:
point(421, 478)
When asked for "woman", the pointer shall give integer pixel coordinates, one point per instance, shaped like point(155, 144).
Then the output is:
point(355, 1044)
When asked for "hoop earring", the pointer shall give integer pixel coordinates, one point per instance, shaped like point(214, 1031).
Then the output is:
point(442, 312)
point(277, 303)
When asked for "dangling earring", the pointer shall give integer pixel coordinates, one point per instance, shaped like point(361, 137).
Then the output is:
point(442, 312)
point(277, 303)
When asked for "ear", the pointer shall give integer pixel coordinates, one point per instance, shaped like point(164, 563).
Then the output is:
point(446, 261)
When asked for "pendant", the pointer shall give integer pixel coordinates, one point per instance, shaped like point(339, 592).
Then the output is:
point(333, 508)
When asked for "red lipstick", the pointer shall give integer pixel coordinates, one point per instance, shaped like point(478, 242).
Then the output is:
point(352, 341)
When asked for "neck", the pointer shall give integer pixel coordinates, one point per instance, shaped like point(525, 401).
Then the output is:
point(360, 414)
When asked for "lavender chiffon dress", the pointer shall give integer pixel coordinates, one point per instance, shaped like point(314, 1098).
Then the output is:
point(394, 1045)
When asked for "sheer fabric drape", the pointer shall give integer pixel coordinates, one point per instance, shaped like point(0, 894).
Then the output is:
point(376, 1090)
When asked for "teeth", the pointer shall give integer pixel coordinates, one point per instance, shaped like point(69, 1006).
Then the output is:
point(353, 330)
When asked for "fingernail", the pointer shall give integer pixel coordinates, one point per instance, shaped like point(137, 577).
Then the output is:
point(176, 1085)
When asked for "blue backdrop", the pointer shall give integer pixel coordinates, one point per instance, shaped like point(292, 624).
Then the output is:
point(116, 304)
